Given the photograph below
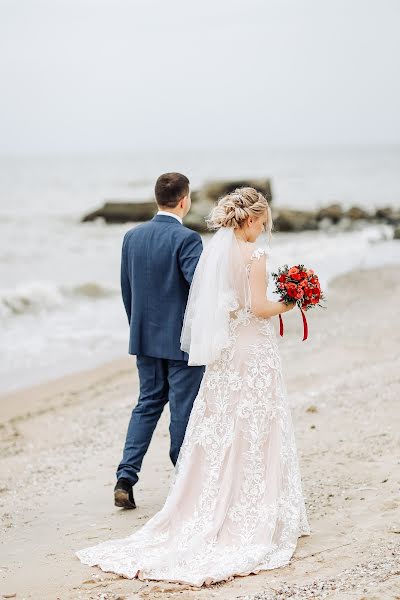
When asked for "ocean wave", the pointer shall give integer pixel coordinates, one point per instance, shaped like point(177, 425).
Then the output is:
point(38, 297)
point(91, 289)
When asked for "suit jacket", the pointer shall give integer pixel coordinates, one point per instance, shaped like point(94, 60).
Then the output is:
point(157, 266)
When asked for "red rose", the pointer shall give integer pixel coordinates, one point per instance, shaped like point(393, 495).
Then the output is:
point(296, 276)
point(291, 289)
point(282, 278)
point(292, 271)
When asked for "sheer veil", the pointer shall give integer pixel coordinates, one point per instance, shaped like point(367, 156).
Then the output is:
point(220, 286)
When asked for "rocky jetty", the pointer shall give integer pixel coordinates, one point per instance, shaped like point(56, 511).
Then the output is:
point(389, 215)
point(123, 212)
point(285, 219)
point(333, 215)
point(203, 201)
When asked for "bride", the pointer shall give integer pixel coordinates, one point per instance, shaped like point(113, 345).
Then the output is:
point(235, 506)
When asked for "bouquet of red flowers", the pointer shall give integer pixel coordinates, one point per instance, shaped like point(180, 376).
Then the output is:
point(300, 285)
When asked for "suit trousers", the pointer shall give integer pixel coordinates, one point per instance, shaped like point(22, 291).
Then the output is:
point(161, 380)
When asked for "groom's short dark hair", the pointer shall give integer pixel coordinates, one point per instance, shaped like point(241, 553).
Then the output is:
point(170, 189)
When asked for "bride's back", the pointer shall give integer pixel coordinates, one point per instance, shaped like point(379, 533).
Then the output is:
point(246, 280)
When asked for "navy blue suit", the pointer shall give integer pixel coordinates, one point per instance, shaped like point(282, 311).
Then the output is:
point(157, 266)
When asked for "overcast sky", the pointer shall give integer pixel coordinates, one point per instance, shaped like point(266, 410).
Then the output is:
point(110, 75)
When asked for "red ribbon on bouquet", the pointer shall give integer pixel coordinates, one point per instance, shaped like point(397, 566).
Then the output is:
point(305, 324)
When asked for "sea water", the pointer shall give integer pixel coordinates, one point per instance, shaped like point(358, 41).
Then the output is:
point(60, 305)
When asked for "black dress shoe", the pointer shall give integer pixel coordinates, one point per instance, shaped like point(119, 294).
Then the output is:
point(123, 495)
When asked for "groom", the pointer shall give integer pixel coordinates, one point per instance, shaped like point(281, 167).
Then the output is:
point(158, 261)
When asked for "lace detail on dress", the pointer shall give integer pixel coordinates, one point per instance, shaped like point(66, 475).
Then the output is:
point(258, 253)
point(235, 505)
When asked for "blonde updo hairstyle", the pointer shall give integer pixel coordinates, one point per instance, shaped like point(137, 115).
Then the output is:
point(233, 209)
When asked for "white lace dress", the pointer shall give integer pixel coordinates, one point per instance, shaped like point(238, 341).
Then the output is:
point(236, 505)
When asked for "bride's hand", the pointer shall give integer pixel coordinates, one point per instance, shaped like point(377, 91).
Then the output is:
point(287, 307)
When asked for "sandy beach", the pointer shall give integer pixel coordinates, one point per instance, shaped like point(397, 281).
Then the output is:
point(60, 443)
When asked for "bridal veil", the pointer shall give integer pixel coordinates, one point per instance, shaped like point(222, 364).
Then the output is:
point(220, 285)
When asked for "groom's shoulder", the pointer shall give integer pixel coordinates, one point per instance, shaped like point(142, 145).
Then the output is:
point(186, 232)
point(137, 229)
point(181, 233)
point(183, 237)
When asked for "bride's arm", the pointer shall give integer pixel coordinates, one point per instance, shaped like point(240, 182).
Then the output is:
point(260, 305)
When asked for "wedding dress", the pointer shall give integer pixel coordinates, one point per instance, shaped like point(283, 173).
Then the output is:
point(235, 505)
